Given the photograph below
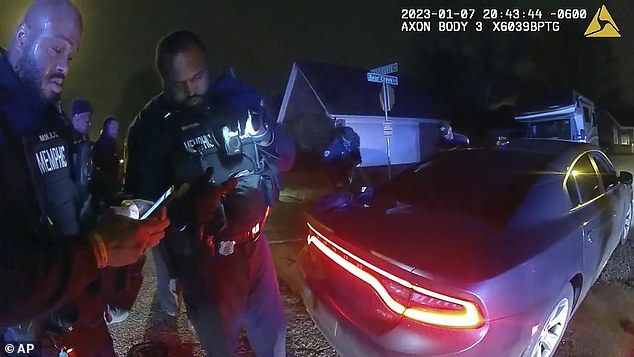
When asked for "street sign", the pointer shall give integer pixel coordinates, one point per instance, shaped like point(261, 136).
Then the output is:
point(387, 128)
point(382, 78)
point(386, 97)
point(390, 98)
point(387, 69)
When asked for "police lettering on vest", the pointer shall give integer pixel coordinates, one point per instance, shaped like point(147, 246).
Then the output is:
point(51, 159)
point(203, 142)
point(49, 162)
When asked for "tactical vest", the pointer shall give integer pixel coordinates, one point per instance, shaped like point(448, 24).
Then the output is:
point(217, 140)
point(49, 159)
point(213, 140)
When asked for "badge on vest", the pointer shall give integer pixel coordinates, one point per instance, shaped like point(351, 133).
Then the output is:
point(226, 247)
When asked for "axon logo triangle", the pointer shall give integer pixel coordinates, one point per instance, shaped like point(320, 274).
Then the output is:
point(602, 25)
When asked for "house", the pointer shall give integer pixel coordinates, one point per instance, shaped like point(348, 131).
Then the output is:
point(615, 137)
point(318, 95)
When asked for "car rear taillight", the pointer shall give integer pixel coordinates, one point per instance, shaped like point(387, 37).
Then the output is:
point(397, 291)
point(399, 295)
point(428, 302)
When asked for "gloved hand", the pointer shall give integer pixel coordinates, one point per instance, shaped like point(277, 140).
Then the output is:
point(120, 241)
point(255, 127)
point(196, 203)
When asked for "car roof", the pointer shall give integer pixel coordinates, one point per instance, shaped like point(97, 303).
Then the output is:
point(490, 184)
point(531, 168)
point(565, 150)
point(558, 153)
point(549, 145)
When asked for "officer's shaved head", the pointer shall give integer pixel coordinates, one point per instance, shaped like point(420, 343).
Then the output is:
point(181, 60)
point(172, 44)
point(44, 13)
point(44, 43)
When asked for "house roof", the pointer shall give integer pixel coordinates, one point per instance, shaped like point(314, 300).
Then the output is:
point(344, 90)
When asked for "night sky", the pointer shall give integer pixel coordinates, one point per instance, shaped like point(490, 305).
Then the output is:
point(114, 68)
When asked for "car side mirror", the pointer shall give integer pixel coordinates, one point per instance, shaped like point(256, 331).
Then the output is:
point(625, 177)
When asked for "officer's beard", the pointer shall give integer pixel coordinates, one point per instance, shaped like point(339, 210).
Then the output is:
point(195, 104)
point(194, 101)
point(31, 80)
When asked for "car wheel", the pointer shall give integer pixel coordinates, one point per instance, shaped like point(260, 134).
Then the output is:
point(545, 343)
point(627, 222)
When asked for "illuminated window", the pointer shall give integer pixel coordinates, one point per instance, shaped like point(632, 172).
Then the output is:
point(625, 140)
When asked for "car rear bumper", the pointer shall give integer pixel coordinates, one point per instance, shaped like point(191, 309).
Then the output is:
point(506, 337)
point(343, 337)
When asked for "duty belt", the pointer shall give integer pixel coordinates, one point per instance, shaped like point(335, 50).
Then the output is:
point(227, 245)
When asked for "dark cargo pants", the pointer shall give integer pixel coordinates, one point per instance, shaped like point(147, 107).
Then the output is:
point(224, 292)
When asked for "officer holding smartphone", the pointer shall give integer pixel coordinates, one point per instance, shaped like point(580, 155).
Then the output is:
point(48, 258)
point(194, 132)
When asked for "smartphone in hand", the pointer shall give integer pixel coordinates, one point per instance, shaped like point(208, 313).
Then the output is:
point(158, 203)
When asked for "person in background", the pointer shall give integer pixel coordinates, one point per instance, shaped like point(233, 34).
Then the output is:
point(81, 119)
point(342, 156)
point(116, 283)
point(106, 156)
point(105, 153)
point(450, 139)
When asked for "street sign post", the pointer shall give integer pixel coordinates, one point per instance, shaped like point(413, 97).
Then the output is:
point(386, 99)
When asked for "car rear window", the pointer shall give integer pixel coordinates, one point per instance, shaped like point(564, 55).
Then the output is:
point(487, 184)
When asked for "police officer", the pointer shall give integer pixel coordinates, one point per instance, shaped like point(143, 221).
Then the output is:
point(450, 139)
point(47, 257)
point(227, 270)
point(81, 119)
point(342, 156)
